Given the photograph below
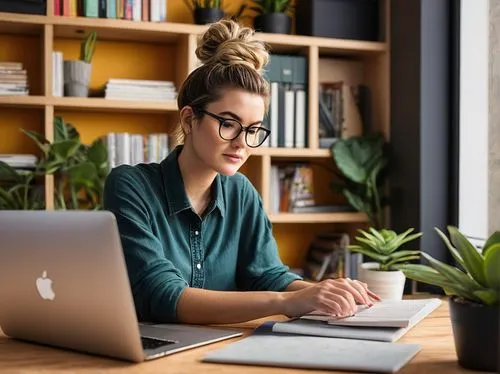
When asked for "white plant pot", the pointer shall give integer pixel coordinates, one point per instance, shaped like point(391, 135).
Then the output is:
point(389, 285)
point(76, 78)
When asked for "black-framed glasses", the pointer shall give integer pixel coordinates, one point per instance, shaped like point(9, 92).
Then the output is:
point(230, 129)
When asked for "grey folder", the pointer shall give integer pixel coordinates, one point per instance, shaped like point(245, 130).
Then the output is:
point(312, 352)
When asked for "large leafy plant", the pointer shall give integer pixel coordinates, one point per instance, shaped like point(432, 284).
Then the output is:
point(79, 170)
point(361, 161)
point(383, 246)
point(476, 276)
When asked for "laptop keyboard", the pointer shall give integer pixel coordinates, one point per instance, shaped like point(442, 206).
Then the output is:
point(152, 343)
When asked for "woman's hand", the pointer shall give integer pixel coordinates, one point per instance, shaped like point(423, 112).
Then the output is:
point(338, 297)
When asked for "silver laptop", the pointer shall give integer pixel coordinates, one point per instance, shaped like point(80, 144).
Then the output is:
point(64, 283)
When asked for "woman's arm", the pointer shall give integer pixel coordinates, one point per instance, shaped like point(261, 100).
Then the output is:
point(331, 296)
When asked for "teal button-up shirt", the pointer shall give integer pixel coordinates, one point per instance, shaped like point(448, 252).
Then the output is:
point(168, 247)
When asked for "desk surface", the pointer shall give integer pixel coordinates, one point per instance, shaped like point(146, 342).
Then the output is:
point(433, 333)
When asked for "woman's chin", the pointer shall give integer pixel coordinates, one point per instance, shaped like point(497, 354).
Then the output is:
point(228, 170)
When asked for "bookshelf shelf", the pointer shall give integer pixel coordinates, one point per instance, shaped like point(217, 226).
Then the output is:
point(119, 106)
point(12, 23)
point(317, 218)
point(23, 101)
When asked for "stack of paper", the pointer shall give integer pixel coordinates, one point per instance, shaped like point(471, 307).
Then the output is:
point(140, 89)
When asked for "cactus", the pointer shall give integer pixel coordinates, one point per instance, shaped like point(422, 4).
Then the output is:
point(88, 47)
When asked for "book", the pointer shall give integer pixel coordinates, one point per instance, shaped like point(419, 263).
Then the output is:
point(385, 313)
point(311, 352)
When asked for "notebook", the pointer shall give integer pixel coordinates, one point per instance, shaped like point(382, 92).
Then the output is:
point(386, 313)
point(311, 352)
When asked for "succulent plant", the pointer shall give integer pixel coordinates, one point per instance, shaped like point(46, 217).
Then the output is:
point(476, 277)
point(383, 246)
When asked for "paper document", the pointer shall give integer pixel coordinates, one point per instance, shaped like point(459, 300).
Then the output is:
point(386, 313)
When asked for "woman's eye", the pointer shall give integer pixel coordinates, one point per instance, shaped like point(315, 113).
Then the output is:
point(228, 124)
point(252, 131)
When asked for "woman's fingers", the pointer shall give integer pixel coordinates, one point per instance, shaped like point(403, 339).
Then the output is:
point(362, 292)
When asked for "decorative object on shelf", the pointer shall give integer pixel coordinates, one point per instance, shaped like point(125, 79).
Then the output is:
point(474, 289)
point(342, 19)
point(205, 11)
point(361, 161)
point(77, 72)
point(79, 170)
point(273, 16)
point(384, 247)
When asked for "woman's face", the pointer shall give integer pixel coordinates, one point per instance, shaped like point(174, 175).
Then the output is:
point(227, 156)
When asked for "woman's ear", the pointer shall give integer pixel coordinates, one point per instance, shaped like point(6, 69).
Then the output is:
point(187, 118)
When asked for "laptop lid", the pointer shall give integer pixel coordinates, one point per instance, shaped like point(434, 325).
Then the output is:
point(64, 282)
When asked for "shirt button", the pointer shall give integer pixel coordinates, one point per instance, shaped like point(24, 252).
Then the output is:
point(196, 232)
point(198, 266)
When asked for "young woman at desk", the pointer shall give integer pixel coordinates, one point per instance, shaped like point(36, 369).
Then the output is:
point(198, 245)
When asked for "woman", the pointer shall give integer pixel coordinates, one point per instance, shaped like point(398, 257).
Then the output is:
point(197, 243)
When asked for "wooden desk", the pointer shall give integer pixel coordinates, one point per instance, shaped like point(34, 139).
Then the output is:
point(433, 333)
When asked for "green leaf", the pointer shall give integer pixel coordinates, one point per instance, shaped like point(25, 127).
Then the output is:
point(82, 173)
point(39, 140)
point(376, 234)
point(98, 153)
point(473, 261)
point(64, 149)
point(493, 239)
point(8, 173)
point(357, 202)
point(348, 161)
point(488, 297)
point(401, 260)
point(451, 248)
point(372, 254)
point(492, 266)
point(452, 274)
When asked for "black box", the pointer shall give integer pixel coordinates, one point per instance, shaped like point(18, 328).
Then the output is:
point(343, 19)
point(24, 6)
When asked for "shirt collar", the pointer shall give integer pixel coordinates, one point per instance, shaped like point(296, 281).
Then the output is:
point(177, 199)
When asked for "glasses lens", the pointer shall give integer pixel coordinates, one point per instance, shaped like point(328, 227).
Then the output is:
point(255, 136)
point(229, 129)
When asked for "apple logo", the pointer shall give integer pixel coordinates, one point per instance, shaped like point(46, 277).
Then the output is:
point(44, 287)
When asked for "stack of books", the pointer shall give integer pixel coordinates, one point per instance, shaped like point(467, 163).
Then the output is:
point(19, 161)
point(139, 89)
point(13, 79)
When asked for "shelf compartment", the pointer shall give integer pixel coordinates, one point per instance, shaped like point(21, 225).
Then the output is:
point(317, 217)
point(21, 24)
point(105, 105)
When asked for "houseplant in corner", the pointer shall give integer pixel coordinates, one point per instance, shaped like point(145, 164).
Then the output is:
point(77, 72)
point(473, 285)
point(273, 16)
point(384, 247)
point(205, 11)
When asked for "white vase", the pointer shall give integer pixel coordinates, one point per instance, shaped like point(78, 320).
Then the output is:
point(76, 78)
point(389, 285)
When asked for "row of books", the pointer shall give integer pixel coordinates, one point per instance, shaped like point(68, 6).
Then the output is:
point(287, 116)
point(139, 89)
point(133, 149)
point(13, 79)
point(134, 10)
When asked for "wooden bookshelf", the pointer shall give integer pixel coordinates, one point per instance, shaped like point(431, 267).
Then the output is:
point(177, 42)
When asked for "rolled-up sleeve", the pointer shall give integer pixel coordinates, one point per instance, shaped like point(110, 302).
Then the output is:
point(155, 282)
point(259, 265)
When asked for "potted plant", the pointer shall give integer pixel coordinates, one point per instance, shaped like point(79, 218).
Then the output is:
point(384, 247)
point(361, 161)
point(273, 16)
point(77, 72)
point(205, 11)
point(79, 171)
point(473, 285)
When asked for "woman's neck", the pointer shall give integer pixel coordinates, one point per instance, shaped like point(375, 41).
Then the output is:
point(197, 179)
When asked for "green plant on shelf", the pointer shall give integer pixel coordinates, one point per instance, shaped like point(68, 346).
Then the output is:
point(198, 4)
point(87, 47)
point(19, 190)
point(272, 6)
point(79, 172)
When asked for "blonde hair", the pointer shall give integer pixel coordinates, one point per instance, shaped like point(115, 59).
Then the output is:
point(231, 58)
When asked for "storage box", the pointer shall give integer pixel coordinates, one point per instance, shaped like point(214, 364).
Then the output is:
point(343, 19)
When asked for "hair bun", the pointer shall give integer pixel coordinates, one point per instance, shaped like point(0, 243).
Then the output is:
point(228, 43)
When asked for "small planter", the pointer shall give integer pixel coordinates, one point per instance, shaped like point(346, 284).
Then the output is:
point(204, 16)
point(476, 333)
point(389, 285)
point(276, 23)
point(76, 78)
